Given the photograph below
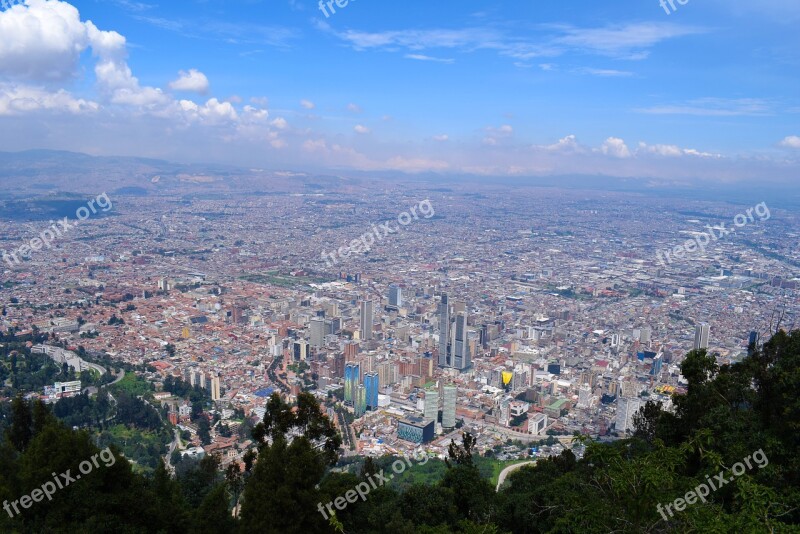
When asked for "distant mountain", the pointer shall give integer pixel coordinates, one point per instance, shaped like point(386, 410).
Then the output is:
point(56, 174)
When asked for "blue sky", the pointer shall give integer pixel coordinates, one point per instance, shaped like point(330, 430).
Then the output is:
point(709, 91)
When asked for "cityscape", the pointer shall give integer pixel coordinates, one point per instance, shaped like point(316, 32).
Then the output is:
point(421, 268)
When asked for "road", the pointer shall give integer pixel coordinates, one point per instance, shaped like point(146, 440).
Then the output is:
point(507, 471)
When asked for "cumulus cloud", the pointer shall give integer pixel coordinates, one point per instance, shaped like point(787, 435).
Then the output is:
point(42, 42)
point(615, 147)
point(192, 81)
point(18, 100)
point(673, 151)
point(307, 104)
point(792, 141)
point(280, 123)
point(441, 138)
point(361, 129)
point(565, 144)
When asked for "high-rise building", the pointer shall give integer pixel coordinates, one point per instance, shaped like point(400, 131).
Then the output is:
point(626, 409)
point(360, 401)
point(367, 319)
point(215, 389)
point(395, 296)
point(300, 350)
point(485, 336)
point(461, 352)
point(317, 332)
point(352, 375)
point(701, 334)
point(449, 396)
point(431, 411)
point(443, 313)
point(752, 343)
point(372, 383)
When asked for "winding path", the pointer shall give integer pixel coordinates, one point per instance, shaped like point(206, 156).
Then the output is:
point(507, 471)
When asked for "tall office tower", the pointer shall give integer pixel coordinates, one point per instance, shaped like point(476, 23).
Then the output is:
point(485, 337)
point(300, 350)
point(360, 402)
point(338, 365)
point(352, 372)
point(449, 406)
point(351, 349)
point(701, 334)
point(431, 411)
point(367, 319)
point(444, 332)
point(626, 408)
point(461, 352)
point(215, 390)
point(395, 296)
point(372, 383)
point(317, 332)
point(203, 383)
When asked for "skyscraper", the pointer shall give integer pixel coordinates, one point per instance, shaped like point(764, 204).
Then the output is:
point(701, 334)
point(449, 406)
point(317, 332)
point(352, 372)
point(215, 389)
point(431, 411)
point(395, 296)
point(367, 319)
point(360, 401)
point(461, 352)
point(372, 383)
point(626, 408)
point(444, 332)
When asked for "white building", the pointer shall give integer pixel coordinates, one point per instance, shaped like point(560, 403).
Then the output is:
point(626, 408)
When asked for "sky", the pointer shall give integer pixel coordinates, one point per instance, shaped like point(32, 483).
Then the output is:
point(708, 91)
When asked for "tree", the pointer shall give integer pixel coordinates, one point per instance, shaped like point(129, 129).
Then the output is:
point(461, 454)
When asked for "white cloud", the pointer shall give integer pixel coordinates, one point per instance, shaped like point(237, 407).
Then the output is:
point(353, 108)
point(361, 129)
point(307, 104)
point(673, 151)
point(280, 123)
point(42, 42)
point(713, 107)
point(441, 138)
point(616, 147)
point(607, 73)
point(18, 100)
point(423, 57)
point(192, 81)
point(631, 41)
point(792, 141)
point(566, 144)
